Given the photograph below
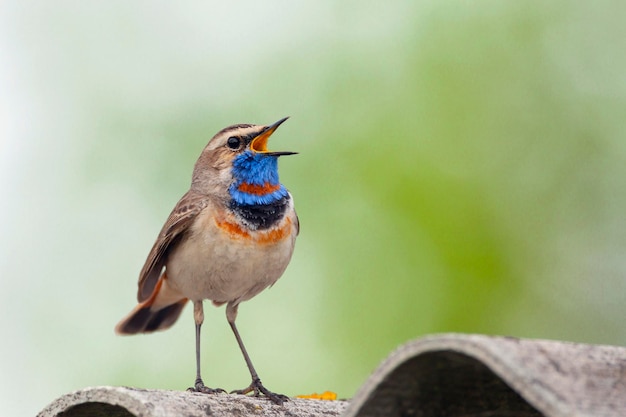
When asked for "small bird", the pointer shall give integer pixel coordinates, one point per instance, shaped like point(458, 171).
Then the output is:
point(227, 239)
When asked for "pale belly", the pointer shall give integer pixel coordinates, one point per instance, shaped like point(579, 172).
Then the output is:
point(216, 264)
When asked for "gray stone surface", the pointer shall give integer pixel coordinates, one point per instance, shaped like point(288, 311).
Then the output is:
point(130, 402)
point(438, 376)
point(473, 375)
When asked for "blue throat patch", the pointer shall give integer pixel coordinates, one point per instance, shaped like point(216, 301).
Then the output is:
point(252, 172)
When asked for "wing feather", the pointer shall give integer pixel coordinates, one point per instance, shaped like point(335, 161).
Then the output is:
point(297, 223)
point(178, 222)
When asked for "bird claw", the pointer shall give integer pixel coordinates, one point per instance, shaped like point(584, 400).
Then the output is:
point(200, 387)
point(257, 389)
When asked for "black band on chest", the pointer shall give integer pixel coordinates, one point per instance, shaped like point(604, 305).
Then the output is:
point(261, 216)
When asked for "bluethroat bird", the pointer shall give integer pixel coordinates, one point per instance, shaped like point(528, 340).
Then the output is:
point(228, 238)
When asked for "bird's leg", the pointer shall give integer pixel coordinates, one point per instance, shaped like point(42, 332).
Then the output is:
point(256, 387)
point(198, 315)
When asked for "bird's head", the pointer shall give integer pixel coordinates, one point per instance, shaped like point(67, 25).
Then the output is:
point(237, 163)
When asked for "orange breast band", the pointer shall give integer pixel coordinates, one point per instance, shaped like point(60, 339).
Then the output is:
point(262, 236)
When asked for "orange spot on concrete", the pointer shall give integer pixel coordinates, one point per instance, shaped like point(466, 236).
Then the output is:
point(258, 189)
point(326, 395)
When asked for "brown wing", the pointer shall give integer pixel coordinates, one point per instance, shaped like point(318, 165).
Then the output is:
point(297, 223)
point(175, 226)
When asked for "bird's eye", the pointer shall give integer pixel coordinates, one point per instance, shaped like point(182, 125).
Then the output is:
point(233, 142)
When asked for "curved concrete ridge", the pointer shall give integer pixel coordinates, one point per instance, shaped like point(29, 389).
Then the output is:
point(131, 402)
point(528, 377)
point(441, 375)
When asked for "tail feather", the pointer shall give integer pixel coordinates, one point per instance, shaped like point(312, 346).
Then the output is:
point(159, 312)
point(166, 317)
point(143, 320)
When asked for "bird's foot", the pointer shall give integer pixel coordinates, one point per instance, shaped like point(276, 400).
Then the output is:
point(200, 387)
point(257, 389)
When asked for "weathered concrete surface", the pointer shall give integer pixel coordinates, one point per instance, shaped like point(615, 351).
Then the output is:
point(130, 402)
point(473, 375)
point(438, 376)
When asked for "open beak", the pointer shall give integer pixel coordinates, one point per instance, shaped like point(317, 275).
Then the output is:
point(259, 143)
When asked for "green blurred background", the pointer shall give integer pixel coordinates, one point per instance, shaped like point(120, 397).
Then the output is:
point(462, 168)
